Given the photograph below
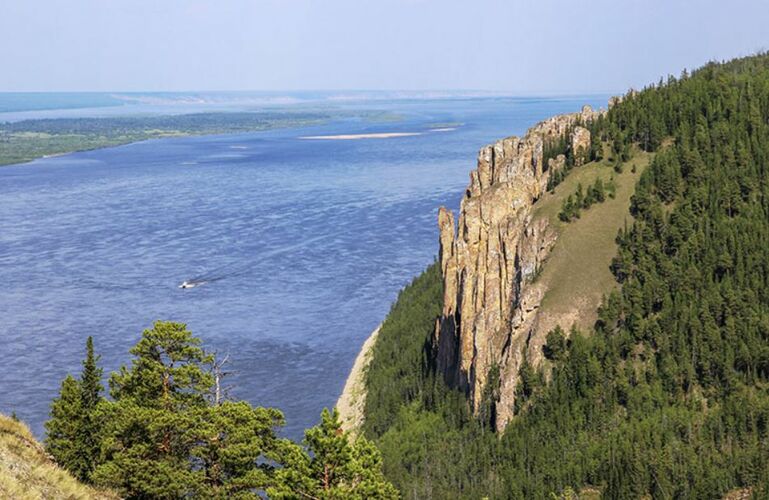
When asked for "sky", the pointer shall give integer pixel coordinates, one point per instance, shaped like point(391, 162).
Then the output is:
point(533, 47)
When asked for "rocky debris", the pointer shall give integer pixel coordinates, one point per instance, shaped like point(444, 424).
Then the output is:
point(490, 260)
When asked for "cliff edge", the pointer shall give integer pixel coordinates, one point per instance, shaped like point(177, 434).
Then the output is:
point(490, 258)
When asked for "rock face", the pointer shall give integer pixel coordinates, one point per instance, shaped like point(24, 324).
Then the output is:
point(488, 263)
point(580, 145)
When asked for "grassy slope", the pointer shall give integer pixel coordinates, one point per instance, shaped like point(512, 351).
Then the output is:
point(27, 472)
point(576, 274)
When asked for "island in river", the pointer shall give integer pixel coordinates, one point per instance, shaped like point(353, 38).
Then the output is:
point(27, 140)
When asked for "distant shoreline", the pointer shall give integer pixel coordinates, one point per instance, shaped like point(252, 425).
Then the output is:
point(29, 140)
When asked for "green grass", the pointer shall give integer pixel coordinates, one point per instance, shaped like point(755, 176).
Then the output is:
point(27, 472)
point(576, 275)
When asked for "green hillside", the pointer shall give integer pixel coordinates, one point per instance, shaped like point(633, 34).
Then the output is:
point(666, 395)
point(27, 472)
point(576, 274)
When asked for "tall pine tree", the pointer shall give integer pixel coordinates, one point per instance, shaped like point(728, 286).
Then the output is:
point(63, 428)
point(71, 432)
point(90, 396)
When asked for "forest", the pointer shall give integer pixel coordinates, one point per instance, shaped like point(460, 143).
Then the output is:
point(666, 396)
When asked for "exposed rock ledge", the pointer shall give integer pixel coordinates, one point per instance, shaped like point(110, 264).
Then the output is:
point(490, 303)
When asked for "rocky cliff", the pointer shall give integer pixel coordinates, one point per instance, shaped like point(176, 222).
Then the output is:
point(490, 258)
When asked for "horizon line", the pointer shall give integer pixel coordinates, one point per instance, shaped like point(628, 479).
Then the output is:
point(511, 93)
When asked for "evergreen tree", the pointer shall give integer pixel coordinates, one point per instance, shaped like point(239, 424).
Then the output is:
point(566, 209)
point(579, 199)
point(163, 437)
point(72, 437)
point(332, 467)
point(599, 191)
point(596, 146)
point(156, 417)
point(237, 449)
point(63, 429)
point(90, 379)
point(90, 396)
point(555, 347)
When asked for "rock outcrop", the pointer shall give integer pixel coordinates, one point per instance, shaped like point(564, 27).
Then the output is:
point(490, 260)
point(580, 145)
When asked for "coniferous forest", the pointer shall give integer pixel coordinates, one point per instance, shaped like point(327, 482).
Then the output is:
point(668, 395)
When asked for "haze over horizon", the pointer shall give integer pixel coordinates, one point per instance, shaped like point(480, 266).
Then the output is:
point(552, 47)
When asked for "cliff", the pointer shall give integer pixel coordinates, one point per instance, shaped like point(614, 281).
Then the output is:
point(488, 262)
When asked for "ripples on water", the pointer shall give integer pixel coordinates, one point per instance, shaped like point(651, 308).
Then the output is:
point(304, 245)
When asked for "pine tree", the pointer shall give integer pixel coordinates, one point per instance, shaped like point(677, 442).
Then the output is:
point(596, 146)
point(164, 436)
point(90, 396)
point(72, 437)
point(63, 428)
point(579, 199)
point(90, 379)
point(555, 347)
point(599, 191)
point(567, 207)
point(332, 467)
point(157, 416)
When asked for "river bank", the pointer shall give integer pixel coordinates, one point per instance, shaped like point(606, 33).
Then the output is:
point(352, 402)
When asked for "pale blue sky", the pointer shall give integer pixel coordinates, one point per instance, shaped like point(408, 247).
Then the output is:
point(525, 47)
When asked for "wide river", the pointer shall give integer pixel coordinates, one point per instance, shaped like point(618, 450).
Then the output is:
point(305, 244)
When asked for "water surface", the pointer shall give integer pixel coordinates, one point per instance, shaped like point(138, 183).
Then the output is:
point(305, 243)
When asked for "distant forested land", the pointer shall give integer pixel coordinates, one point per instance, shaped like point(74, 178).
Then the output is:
point(30, 139)
point(667, 396)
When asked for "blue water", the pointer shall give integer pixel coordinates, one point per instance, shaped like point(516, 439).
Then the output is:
point(307, 243)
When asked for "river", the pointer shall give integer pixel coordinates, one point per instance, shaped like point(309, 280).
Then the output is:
point(304, 244)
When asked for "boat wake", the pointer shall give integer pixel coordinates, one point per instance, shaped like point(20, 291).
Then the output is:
point(234, 270)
